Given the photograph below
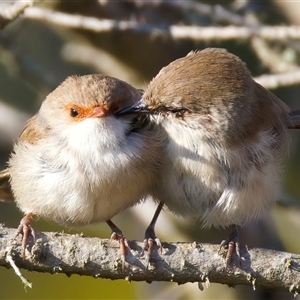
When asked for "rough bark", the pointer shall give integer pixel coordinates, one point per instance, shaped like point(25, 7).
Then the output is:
point(178, 262)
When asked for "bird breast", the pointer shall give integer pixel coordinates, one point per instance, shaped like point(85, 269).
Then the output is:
point(82, 176)
point(219, 185)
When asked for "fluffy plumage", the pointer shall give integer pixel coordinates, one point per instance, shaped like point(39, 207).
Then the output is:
point(77, 162)
point(227, 137)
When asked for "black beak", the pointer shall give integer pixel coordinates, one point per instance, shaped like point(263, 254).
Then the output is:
point(137, 108)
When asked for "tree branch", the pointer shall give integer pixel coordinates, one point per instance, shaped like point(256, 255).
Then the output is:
point(175, 31)
point(178, 262)
point(274, 81)
point(12, 11)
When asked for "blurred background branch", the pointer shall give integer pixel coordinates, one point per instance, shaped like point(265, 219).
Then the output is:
point(43, 42)
point(12, 11)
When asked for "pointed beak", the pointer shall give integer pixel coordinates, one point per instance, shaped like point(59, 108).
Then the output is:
point(137, 108)
point(98, 112)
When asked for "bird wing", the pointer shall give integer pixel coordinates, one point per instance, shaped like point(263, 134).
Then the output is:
point(31, 134)
point(32, 131)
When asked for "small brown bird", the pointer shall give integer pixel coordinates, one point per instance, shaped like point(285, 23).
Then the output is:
point(79, 160)
point(227, 137)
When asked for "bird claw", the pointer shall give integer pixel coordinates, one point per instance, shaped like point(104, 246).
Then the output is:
point(25, 229)
point(231, 244)
point(150, 241)
point(149, 244)
point(117, 235)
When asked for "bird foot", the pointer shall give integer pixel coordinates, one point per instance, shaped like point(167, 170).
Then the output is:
point(117, 235)
point(25, 230)
point(150, 240)
point(231, 244)
point(150, 243)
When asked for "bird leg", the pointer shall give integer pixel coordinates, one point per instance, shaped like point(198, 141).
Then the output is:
point(232, 244)
point(26, 230)
point(150, 238)
point(117, 235)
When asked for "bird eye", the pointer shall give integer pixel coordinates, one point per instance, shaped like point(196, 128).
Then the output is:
point(115, 108)
point(73, 112)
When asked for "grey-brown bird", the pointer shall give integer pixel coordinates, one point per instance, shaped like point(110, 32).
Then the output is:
point(227, 137)
point(79, 160)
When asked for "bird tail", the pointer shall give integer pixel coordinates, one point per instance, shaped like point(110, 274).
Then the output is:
point(5, 189)
point(294, 119)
